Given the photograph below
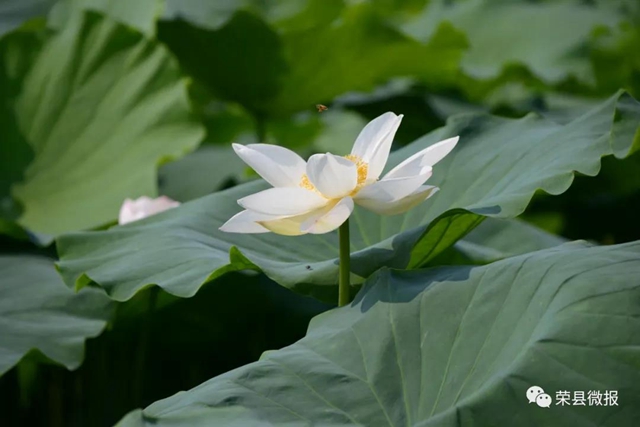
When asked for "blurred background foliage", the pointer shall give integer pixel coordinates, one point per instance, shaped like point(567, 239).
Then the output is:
point(221, 71)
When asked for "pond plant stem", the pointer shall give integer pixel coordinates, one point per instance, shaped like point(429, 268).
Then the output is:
point(344, 288)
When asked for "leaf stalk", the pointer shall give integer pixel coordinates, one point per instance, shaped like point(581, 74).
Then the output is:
point(344, 287)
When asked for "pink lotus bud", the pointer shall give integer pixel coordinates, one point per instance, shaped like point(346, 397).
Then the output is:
point(133, 210)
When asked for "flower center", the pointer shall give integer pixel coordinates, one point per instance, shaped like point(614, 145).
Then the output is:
point(306, 184)
point(362, 168)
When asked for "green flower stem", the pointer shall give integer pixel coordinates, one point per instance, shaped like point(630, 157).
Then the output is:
point(344, 288)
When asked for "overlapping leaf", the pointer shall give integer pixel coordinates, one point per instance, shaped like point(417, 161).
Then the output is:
point(15, 152)
point(37, 311)
point(277, 69)
point(191, 177)
point(241, 61)
point(548, 38)
point(494, 171)
point(139, 14)
point(456, 346)
point(496, 239)
point(99, 108)
point(14, 12)
point(284, 15)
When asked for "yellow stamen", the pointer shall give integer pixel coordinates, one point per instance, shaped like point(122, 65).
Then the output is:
point(363, 168)
point(306, 184)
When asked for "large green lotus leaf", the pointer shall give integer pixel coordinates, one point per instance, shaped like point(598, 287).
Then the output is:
point(365, 52)
point(240, 62)
point(450, 346)
point(100, 107)
point(139, 14)
point(549, 38)
point(15, 153)
point(356, 45)
point(494, 171)
point(276, 69)
point(37, 311)
point(241, 55)
point(495, 239)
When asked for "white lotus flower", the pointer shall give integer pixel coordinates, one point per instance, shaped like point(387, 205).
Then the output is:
point(318, 196)
point(133, 210)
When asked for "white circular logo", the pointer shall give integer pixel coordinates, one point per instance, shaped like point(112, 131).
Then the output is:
point(533, 392)
point(543, 400)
